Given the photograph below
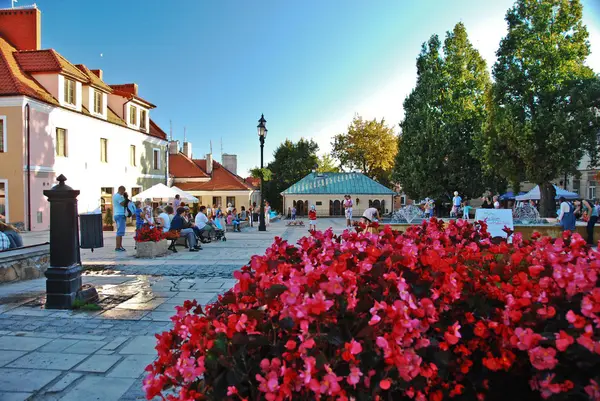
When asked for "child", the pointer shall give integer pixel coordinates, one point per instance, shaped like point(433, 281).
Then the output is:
point(312, 217)
point(139, 218)
point(466, 210)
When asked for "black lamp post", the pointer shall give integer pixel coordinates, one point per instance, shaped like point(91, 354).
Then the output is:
point(262, 134)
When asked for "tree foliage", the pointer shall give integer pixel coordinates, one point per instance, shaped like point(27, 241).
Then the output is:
point(291, 162)
point(263, 174)
point(368, 146)
point(542, 121)
point(443, 114)
point(326, 164)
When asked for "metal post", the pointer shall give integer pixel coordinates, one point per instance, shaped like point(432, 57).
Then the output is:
point(261, 216)
point(63, 277)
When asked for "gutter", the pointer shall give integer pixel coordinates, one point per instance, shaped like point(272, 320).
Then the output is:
point(27, 112)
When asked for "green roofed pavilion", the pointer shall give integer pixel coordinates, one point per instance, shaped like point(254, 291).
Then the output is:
point(337, 183)
point(326, 192)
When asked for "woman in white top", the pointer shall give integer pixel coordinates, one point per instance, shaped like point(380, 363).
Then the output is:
point(371, 215)
point(162, 220)
point(348, 210)
point(267, 214)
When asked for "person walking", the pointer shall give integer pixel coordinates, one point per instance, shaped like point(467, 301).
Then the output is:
point(466, 210)
point(348, 210)
point(592, 212)
point(267, 214)
point(566, 217)
point(312, 219)
point(293, 212)
point(456, 202)
point(119, 203)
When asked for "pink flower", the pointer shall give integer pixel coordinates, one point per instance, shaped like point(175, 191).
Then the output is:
point(543, 358)
point(354, 377)
point(563, 340)
point(525, 339)
point(452, 335)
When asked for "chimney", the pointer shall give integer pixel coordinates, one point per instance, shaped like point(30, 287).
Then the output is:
point(127, 88)
point(22, 27)
point(230, 162)
point(187, 149)
point(97, 73)
point(173, 147)
point(209, 163)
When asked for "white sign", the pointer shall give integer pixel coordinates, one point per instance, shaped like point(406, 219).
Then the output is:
point(496, 220)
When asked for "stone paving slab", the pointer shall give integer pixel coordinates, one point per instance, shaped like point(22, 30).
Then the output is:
point(22, 343)
point(98, 363)
point(132, 366)
point(14, 396)
point(25, 380)
point(47, 361)
point(64, 382)
point(97, 388)
point(8, 356)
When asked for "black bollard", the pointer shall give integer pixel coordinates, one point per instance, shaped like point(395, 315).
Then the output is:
point(63, 277)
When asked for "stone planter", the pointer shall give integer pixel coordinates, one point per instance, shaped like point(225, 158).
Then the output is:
point(151, 249)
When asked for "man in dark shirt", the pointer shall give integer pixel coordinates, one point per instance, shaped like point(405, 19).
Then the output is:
point(178, 224)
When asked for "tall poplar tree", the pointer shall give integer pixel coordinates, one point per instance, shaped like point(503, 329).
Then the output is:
point(443, 116)
point(543, 120)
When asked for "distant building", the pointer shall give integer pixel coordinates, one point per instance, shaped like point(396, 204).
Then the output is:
point(326, 191)
point(60, 118)
point(211, 182)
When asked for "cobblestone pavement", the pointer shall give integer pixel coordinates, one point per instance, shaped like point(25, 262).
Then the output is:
point(101, 354)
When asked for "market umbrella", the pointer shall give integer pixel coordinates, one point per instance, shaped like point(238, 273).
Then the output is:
point(535, 194)
point(184, 196)
point(158, 191)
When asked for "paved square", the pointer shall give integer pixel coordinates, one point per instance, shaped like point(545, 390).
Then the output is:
point(47, 360)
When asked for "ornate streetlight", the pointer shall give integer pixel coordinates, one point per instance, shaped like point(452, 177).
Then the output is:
point(262, 134)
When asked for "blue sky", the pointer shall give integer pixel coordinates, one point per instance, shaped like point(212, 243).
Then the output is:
point(215, 66)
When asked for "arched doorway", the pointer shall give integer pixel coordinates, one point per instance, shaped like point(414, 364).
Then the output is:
point(337, 208)
point(383, 207)
point(300, 208)
point(330, 207)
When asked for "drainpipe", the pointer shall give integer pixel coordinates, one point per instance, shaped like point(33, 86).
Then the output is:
point(28, 169)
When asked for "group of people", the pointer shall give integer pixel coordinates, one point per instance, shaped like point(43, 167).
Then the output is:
point(588, 211)
point(178, 217)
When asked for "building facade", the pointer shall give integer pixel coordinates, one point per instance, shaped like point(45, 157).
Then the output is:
point(326, 192)
point(211, 182)
point(60, 118)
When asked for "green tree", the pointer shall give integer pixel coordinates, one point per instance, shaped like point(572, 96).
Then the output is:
point(367, 146)
point(263, 174)
point(326, 164)
point(543, 121)
point(443, 116)
point(291, 162)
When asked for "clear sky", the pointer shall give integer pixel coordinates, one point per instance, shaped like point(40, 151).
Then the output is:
point(215, 66)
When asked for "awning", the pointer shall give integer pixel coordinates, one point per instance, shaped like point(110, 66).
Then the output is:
point(535, 194)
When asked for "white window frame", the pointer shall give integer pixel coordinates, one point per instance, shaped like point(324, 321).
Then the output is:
point(66, 142)
point(105, 153)
point(133, 107)
point(4, 135)
point(158, 159)
point(101, 95)
point(134, 148)
point(66, 91)
point(142, 122)
point(6, 202)
point(590, 192)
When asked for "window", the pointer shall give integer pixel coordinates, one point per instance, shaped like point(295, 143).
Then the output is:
point(104, 150)
point(135, 191)
point(61, 142)
point(576, 185)
point(106, 198)
point(231, 200)
point(143, 119)
point(592, 190)
point(133, 115)
point(3, 199)
point(403, 200)
point(98, 102)
point(132, 160)
point(217, 200)
point(69, 91)
point(319, 203)
point(156, 159)
point(2, 134)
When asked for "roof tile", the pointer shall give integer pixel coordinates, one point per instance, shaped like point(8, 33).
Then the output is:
point(337, 183)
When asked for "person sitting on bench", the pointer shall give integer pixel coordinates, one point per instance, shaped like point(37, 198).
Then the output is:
point(203, 228)
point(178, 225)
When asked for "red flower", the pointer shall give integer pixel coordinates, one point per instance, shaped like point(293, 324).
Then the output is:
point(543, 358)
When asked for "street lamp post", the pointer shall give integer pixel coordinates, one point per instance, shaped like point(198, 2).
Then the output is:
point(262, 134)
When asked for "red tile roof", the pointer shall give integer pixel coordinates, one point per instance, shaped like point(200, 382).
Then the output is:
point(32, 61)
point(181, 166)
point(221, 179)
point(13, 81)
point(93, 78)
point(156, 131)
point(129, 91)
point(252, 181)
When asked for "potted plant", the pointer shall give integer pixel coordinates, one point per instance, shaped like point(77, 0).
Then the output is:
point(150, 242)
point(108, 220)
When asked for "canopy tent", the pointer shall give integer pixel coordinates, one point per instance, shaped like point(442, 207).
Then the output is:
point(510, 195)
point(162, 192)
point(535, 194)
point(184, 196)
